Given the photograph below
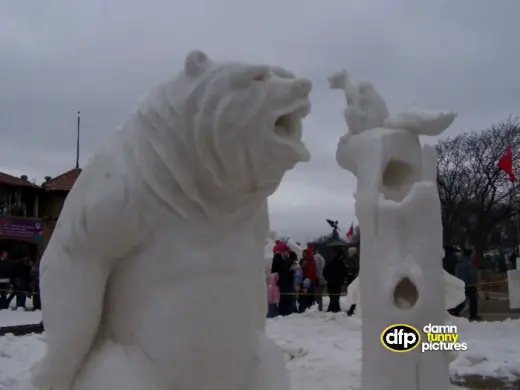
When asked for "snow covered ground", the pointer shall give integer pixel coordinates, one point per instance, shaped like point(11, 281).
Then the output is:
point(326, 349)
point(322, 349)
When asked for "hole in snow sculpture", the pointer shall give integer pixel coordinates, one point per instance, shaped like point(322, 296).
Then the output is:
point(398, 178)
point(405, 294)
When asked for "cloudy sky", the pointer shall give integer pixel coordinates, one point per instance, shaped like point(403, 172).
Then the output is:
point(99, 56)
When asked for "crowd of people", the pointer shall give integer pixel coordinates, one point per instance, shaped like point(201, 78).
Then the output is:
point(294, 284)
point(19, 279)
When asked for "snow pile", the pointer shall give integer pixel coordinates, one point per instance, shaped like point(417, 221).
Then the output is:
point(492, 349)
point(322, 350)
point(17, 355)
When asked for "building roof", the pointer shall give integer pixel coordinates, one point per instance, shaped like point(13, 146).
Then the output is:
point(63, 182)
point(10, 180)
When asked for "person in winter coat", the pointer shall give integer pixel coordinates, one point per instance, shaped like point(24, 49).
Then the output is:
point(450, 260)
point(501, 261)
point(287, 292)
point(35, 281)
point(352, 264)
point(5, 276)
point(298, 278)
point(20, 279)
point(273, 295)
point(319, 287)
point(335, 273)
point(310, 268)
point(277, 264)
point(466, 271)
point(304, 299)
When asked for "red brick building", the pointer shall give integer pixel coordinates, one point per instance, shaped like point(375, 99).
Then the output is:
point(21, 228)
point(55, 192)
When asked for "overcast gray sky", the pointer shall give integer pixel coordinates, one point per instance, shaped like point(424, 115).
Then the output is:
point(99, 56)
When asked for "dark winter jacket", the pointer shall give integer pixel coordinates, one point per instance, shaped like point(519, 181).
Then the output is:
point(286, 277)
point(6, 270)
point(35, 277)
point(449, 261)
point(466, 270)
point(335, 273)
point(20, 270)
point(277, 264)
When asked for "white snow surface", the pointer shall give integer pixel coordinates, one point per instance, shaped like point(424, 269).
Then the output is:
point(322, 350)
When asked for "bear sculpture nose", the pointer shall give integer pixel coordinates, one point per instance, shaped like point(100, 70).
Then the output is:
point(302, 87)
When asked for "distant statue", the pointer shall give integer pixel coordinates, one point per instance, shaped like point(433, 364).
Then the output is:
point(335, 228)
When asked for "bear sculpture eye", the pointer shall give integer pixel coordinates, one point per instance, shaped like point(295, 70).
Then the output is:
point(261, 77)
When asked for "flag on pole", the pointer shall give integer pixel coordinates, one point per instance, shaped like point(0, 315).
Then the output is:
point(506, 163)
point(350, 232)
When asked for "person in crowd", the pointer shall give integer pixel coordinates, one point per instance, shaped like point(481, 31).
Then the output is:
point(305, 298)
point(514, 256)
point(309, 268)
point(335, 273)
point(35, 283)
point(280, 253)
point(298, 277)
point(5, 275)
point(466, 271)
point(273, 295)
point(352, 272)
point(312, 264)
point(20, 279)
point(501, 261)
point(321, 283)
point(286, 285)
point(277, 263)
point(352, 264)
point(450, 259)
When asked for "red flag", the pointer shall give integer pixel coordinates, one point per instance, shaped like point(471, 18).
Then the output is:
point(350, 232)
point(506, 163)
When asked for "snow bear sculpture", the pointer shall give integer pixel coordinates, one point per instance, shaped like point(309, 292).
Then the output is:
point(153, 278)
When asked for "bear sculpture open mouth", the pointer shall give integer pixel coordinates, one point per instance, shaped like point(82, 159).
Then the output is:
point(289, 125)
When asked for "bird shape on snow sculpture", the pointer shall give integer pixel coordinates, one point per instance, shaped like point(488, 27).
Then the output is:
point(139, 281)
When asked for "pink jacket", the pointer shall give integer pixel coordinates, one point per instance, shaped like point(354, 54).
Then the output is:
point(273, 292)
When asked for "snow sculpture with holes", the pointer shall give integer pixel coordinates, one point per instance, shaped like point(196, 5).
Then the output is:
point(453, 290)
point(398, 206)
point(153, 278)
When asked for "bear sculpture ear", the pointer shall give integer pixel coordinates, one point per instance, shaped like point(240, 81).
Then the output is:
point(196, 63)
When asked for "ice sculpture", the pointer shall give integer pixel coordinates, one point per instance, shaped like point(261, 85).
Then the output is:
point(398, 206)
point(153, 277)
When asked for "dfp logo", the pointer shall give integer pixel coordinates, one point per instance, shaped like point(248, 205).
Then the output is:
point(400, 338)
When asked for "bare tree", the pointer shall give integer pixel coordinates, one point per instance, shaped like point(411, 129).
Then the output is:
point(476, 196)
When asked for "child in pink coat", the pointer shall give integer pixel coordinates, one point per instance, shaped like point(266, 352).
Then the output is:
point(273, 295)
